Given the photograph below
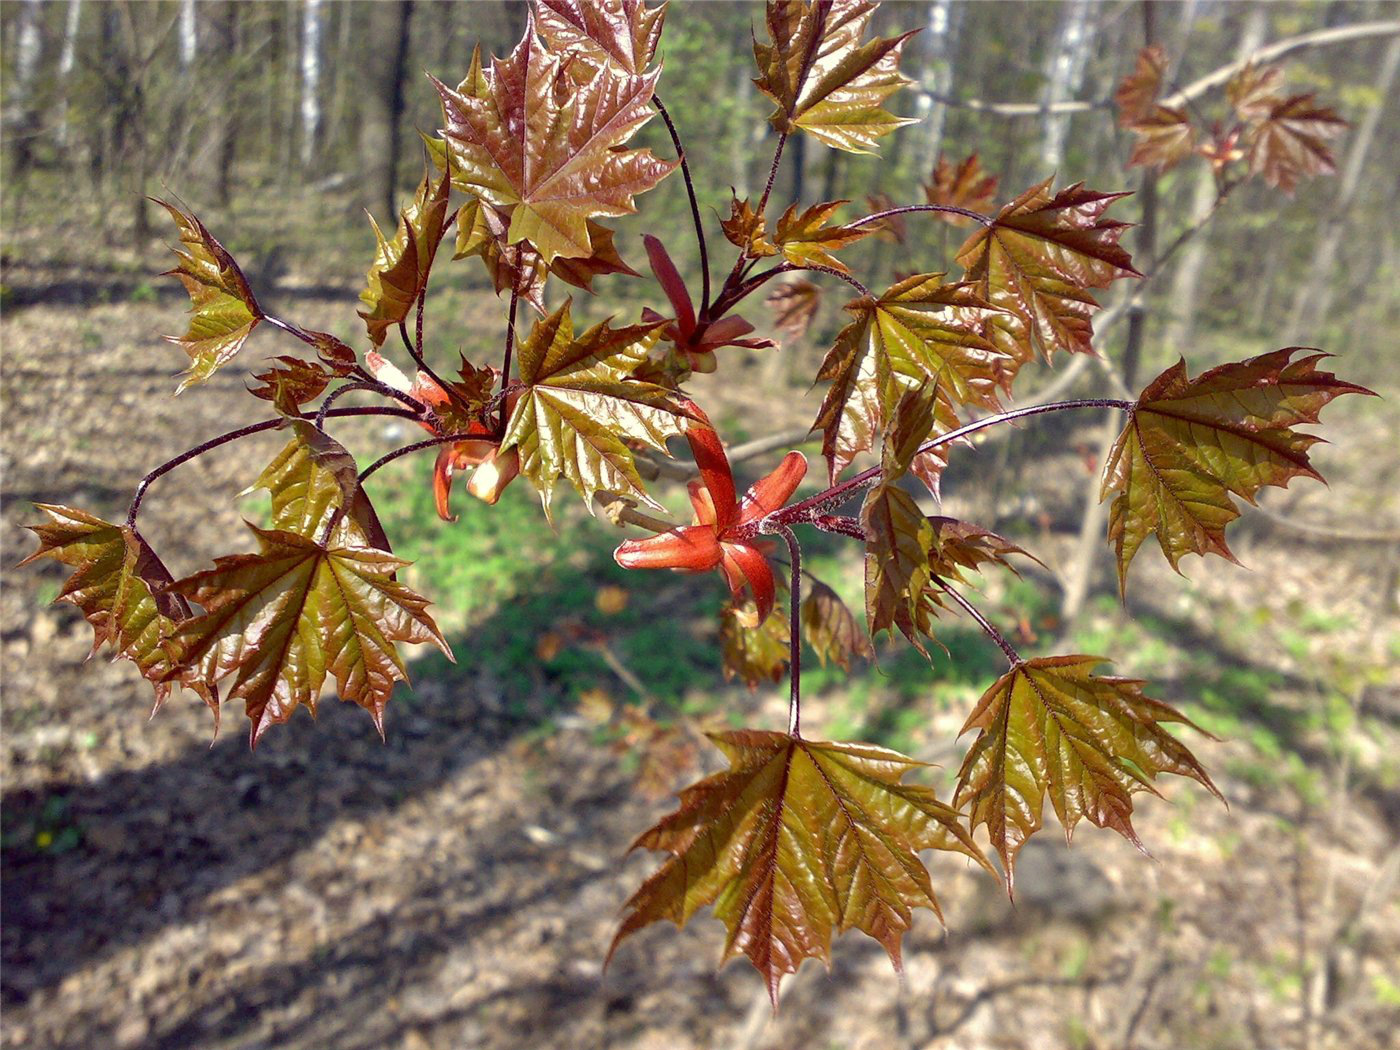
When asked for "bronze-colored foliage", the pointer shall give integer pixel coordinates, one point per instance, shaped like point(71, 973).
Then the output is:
point(807, 240)
point(795, 841)
point(524, 137)
point(831, 629)
point(754, 652)
point(1051, 726)
point(223, 311)
point(620, 33)
point(1191, 443)
point(794, 304)
point(400, 269)
point(291, 382)
point(747, 229)
point(964, 186)
point(824, 78)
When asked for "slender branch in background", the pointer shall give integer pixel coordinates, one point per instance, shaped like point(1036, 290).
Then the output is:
point(510, 349)
point(242, 432)
point(371, 384)
point(982, 622)
point(833, 272)
point(694, 205)
point(949, 209)
point(794, 630)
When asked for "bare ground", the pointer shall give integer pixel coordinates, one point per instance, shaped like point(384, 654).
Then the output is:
point(458, 885)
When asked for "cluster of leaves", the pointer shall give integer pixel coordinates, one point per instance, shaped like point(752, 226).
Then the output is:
point(1280, 138)
point(797, 839)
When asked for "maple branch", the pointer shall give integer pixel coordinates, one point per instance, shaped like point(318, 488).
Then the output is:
point(242, 432)
point(950, 209)
point(772, 173)
point(694, 204)
point(805, 510)
point(794, 630)
point(982, 622)
point(371, 384)
point(510, 347)
point(832, 271)
point(416, 352)
point(417, 446)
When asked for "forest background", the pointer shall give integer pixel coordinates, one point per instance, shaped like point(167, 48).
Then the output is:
point(457, 886)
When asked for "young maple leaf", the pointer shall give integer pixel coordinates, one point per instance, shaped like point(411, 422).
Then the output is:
point(795, 841)
point(1138, 91)
point(578, 409)
point(754, 652)
point(119, 585)
point(400, 269)
point(715, 540)
point(1049, 725)
point(1037, 263)
point(824, 80)
point(524, 136)
point(806, 239)
point(965, 186)
point(621, 33)
point(921, 331)
point(1290, 142)
point(794, 305)
point(291, 382)
point(1190, 443)
point(747, 229)
point(831, 629)
point(223, 309)
point(280, 620)
point(1165, 137)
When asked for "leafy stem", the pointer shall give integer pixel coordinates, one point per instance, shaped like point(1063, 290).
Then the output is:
point(794, 630)
point(510, 349)
point(694, 204)
point(371, 384)
point(415, 351)
point(242, 432)
point(417, 446)
point(982, 622)
point(949, 209)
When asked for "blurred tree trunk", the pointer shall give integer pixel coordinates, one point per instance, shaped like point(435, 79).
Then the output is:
point(228, 121)
point(941, 32)
point(20, 115)
point(383, 103)
point(66, 58)
point(1313, 300)
point(1191, 261)
point(1065, 75)
point(310, 81)
point(189, 34)
point(340, 75)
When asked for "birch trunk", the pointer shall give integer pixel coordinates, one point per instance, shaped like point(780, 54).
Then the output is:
point(310, 81)
point(66, 58)
point(941, 34)
point(383, 104)
point(1065, 73)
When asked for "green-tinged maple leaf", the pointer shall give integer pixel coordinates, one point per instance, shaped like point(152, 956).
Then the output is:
point(753, 654)
point(313, 477)
point(1190, 443)
point(223, 309)
point(578, 409)
point(964, 186)
point(919, 332)
point(1049, 725)
point(794, 305)
point(1038, 262)
point(1165, 137)
point(824, 79)
point(1289, 141)
point(525, 136)
point(291, 382)
point(279, 621)
point(897, 575)
point(831, 629)
point(401, 265)
point(807, 240)
point(1138, 91)
point(959, 545)
point(118, 584)
point(620, 33)
point(795, 841)
point(747, 229)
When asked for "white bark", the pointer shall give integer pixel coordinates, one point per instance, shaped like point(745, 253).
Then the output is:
point(310, 80)
point(1065, 73)
point(27, 46)
point(941, 39)
point(189, 34)
point(66, 57)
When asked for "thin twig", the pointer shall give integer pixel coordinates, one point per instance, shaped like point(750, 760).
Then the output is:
point(976, 216)
point(982, 622)
point(794, 630)
point(417, 446)
point(694, 204)
point(510, 348)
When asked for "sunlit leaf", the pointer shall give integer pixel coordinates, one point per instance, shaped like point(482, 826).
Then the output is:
point(1050, 726)
point(756, 655)
point(1038, 262)
point(118, 584)
point(291, 382)
point(578, 410)
point(1138, 91)
point(401, 265)
point(1254, 91)
point(898, 538)
point(1190, 443)
point(524, 136)
point(1165, 137)
point(824, 79)
point(795, 841)
point(965, 186)
point(806, 240)
point(223, 310)
point(746, 228)
point(279, 621)
point(621, 33)
point(1289, 141)
point(959, 545)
